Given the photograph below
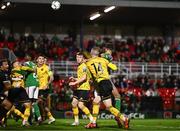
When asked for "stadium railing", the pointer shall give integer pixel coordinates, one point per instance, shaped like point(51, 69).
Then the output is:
point(128, 69)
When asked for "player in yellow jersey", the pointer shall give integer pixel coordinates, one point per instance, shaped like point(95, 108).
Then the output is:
point(81, 94)
point(107, 54)
point(5, 86)
point(44, 74)
point(99, 69)
point(18, 93)
point(51, 78)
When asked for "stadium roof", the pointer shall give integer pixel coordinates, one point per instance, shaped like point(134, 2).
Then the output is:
point(125, 3)
point(40, 10)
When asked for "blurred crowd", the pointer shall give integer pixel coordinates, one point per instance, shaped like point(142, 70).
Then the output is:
point(53, 48)
point(149, 49)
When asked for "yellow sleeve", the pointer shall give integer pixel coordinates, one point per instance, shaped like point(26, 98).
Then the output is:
point(50, 73)
point(112, 66)
point(26, 68)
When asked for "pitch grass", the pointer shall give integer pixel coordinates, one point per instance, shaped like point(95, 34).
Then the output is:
point(104, 125)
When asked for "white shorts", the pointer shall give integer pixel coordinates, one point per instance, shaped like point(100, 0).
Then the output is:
point(32, 92)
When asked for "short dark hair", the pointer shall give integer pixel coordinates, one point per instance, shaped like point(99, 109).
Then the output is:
point(14, 62)
point(30, 56)
point(80, 53)
point(2, 61)
point(40, 56)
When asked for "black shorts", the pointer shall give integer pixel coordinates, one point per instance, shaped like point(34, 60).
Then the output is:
point(18, 95)
point(44, 93)
point(104, 89)
point(2, 97)
point(81, 95)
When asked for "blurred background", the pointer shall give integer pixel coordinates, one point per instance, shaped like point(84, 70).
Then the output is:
point(144, 36)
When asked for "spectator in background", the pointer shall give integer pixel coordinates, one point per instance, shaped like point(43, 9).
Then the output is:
point(55, 39)
point(151, 92)
point(11, 38)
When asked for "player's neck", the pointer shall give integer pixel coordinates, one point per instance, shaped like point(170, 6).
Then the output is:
point(40, 65)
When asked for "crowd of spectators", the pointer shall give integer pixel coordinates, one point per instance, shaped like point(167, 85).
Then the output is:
point(53, 48)
point(148, 49)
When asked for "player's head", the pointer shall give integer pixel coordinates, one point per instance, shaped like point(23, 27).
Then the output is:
point(28, 57)
point(107, 54)
point(87, 55)
point(80, 57)
point(15, 64)
point(95, 51)
point(108, 51)
point(40, 60)
point(4, 64)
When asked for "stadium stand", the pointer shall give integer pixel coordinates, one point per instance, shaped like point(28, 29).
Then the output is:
point(149, 49)
point(126, 50)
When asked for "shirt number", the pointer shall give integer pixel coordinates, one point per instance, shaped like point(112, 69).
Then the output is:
point(97, 67)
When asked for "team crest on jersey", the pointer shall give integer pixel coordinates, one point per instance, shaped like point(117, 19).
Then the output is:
point(84, 69)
